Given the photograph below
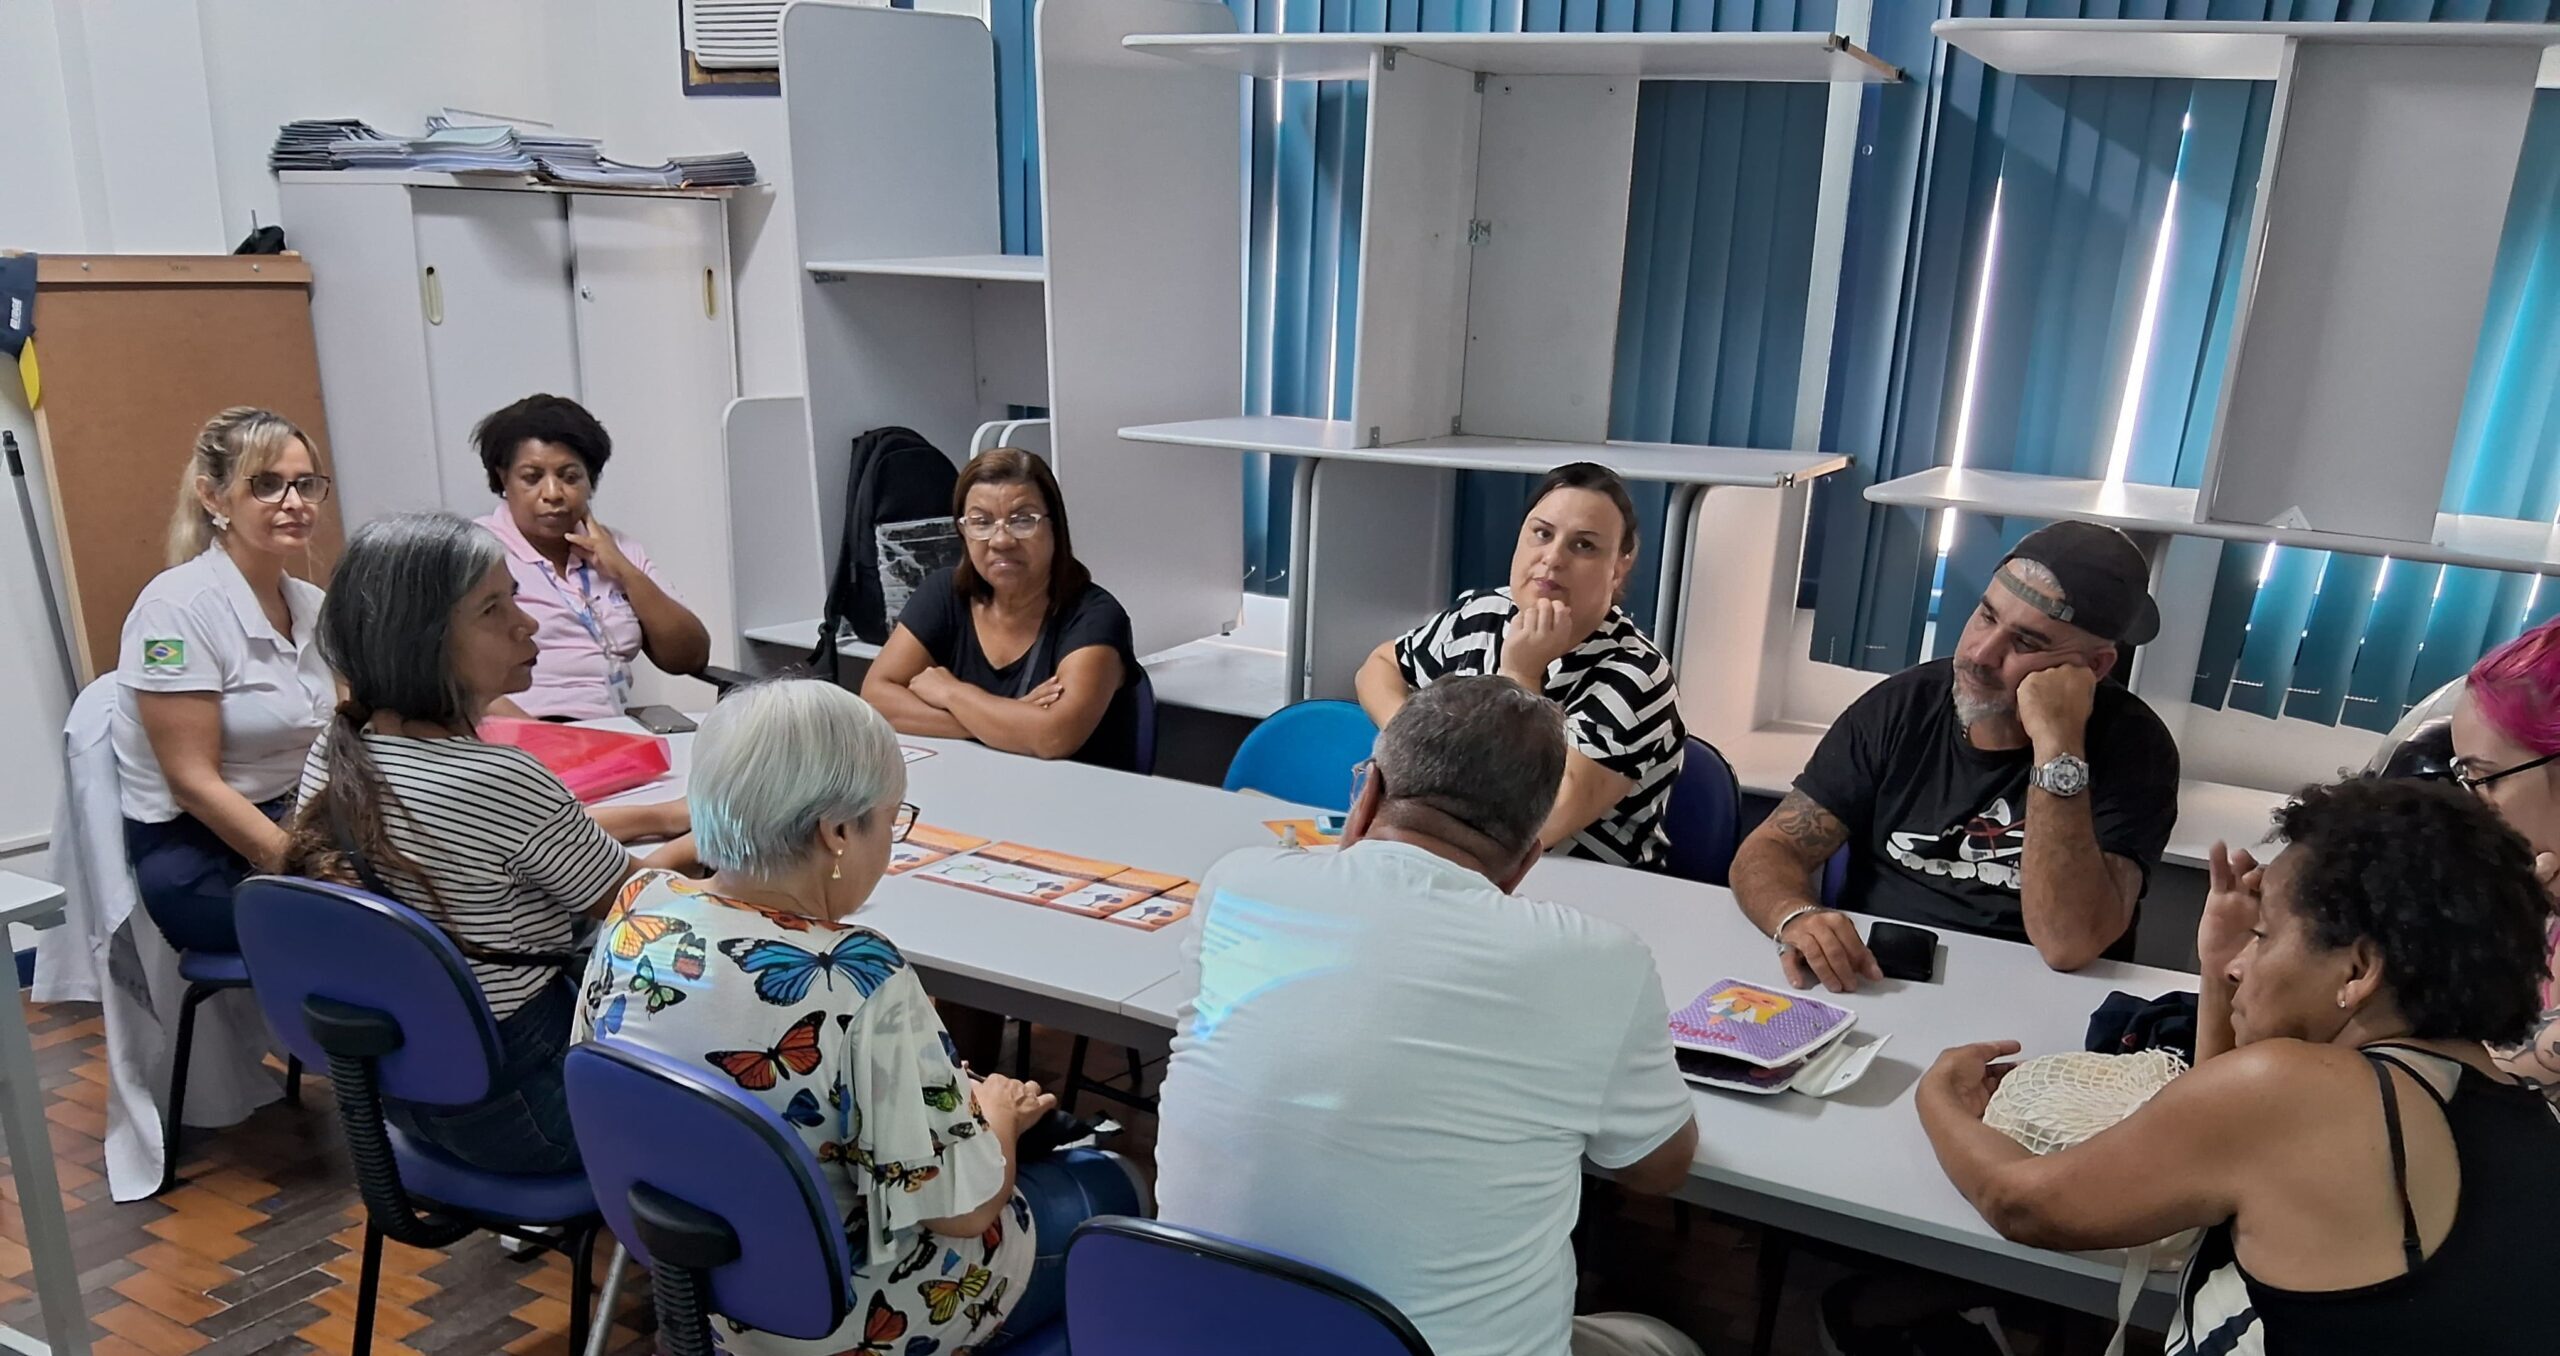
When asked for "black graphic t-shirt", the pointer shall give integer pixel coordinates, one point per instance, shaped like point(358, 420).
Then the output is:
point(1938, 828)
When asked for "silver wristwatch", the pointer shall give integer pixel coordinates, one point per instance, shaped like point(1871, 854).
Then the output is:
point(2063, 775)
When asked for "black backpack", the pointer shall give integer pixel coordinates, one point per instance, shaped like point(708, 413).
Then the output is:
point(897, 531)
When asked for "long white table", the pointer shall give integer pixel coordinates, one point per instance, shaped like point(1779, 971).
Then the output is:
point(1855, 1169)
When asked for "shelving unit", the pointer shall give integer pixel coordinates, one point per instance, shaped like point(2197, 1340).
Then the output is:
point(1796, 57)
point(2161, 510)
point(1493, 236)
point(1024, 268)
point(2204, 49)
point(2390, 156)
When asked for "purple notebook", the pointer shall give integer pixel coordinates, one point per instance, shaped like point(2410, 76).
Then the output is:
point(1757, 1025)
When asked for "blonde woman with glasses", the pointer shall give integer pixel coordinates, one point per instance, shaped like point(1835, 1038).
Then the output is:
point(220, 688)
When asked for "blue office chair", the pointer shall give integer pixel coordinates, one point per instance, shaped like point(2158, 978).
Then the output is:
point(1146, 761)
point(1304, 754)
point(1835, 879)
point(408, 1022)
point(720, 1198)
point(1136, 1287)
point(1704, 817)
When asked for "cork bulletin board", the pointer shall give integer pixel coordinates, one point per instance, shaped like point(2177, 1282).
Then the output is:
point(138, 351)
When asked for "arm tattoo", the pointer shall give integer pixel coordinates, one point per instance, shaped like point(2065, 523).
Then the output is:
point(1815, 833)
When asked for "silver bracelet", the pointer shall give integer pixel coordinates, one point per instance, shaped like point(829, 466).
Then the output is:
point(1791, 916)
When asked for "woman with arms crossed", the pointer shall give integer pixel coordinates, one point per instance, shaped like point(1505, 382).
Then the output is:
point(1016, 646)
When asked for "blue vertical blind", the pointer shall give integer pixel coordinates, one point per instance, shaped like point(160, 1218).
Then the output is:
point(2058, 297)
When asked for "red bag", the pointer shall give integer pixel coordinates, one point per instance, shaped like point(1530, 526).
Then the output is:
point(594, 764)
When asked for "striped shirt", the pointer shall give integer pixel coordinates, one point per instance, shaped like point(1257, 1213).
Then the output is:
point(1621, 710)
point(515, 860)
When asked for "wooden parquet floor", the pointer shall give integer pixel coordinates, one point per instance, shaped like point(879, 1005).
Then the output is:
point(256, 1249)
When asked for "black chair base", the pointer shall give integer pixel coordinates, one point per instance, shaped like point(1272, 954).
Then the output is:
point(174, 1124)
point(578, 1244)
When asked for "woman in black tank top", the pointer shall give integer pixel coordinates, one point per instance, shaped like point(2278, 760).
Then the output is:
point(2366, 1175)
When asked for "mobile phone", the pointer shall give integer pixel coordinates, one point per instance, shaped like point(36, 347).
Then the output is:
point(665, 720)
point(1903, 952)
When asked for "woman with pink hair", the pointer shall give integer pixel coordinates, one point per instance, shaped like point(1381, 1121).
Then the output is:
point(2506, 744)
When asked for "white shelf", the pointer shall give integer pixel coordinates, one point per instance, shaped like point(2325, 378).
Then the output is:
point(2459, 539)
point(1030, 268)
point(2206, 50)
point(1669, 463)
point(1793, 57)
point(506, 182)
point(1220, 675)
point(803, 636)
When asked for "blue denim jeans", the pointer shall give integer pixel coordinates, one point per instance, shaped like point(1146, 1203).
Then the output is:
point(1064, 1190)
point(523, 1125)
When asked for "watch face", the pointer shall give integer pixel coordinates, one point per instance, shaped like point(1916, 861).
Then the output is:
point(2064, 776)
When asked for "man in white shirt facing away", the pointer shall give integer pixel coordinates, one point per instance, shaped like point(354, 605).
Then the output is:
point(1395, 1068)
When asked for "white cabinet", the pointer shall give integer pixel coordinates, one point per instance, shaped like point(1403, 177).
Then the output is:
point(436, 302)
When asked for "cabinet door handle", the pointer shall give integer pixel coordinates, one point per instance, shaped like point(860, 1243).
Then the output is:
point(431, 290)
point(710, 296)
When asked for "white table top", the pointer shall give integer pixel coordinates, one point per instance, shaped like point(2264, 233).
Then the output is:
point(1860, 1155)
point(1155, 824)
point(24, 899)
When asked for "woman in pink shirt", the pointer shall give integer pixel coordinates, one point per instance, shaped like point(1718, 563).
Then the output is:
point(597, 603)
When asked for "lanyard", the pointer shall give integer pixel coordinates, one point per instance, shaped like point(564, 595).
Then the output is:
point(583, 608)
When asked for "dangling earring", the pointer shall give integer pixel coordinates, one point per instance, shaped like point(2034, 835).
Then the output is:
point(222, 522)
point(838, 874)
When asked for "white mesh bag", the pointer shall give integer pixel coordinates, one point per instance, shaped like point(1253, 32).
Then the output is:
point(2052, 1102)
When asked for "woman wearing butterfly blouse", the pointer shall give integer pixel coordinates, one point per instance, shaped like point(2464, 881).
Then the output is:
point(400, 796)
point(758, 974)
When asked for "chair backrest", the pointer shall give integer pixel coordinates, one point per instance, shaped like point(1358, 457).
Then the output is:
point(648, 1124)
point(1704, 818)
point(1146, 761)
point(1835, 878)
point(307, 940)
point(1138, 1287)
point(1305, 753)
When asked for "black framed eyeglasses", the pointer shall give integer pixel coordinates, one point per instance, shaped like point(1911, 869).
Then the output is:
point(2476, 782)
point(906, 820)
point(1018, 526)
point(269, 488)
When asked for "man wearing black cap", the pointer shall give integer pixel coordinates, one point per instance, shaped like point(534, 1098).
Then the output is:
point(2005, 790)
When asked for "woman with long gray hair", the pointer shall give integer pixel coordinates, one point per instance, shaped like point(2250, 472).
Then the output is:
point(401, 796)
point(763, 973)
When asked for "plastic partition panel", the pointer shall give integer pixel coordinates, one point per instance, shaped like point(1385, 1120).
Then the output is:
point(778, 573)
point(1376, 562)
point(1144, 214)
point(1416, 204)
point(2376, 230)
point(892, 120)
point(1744, 553)
point(1554, 163)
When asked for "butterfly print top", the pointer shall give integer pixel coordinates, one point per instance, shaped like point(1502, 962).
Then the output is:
point(827, 1025)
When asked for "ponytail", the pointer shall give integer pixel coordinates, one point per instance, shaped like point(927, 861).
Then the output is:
point(346, 818)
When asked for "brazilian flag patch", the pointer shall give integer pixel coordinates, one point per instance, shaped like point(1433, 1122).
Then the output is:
point(166, 655)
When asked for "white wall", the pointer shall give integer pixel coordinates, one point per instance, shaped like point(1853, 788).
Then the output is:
point(143, 126)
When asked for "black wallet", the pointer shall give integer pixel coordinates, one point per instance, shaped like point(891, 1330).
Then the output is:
point(1903, 952)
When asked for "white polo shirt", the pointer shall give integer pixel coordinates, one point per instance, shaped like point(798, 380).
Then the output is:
point(1395, 1070)
point(198, 628)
